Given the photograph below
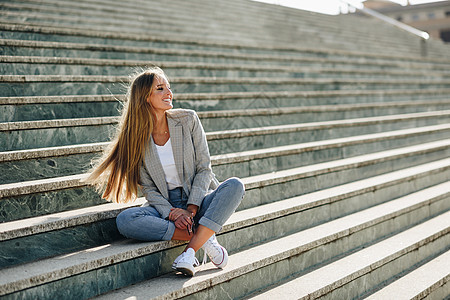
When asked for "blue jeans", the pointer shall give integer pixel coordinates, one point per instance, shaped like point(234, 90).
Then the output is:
point(146, 224)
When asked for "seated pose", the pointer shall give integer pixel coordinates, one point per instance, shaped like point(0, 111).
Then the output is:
point(164, 151)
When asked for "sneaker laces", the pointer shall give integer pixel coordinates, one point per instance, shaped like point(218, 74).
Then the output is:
point(211, 244)
point(196, 263)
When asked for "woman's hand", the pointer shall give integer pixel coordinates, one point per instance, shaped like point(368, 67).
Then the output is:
point(181, 217)
point(183, 222)
point(175, 213)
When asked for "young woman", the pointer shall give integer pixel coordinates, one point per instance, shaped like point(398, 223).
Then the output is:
point(164, 151)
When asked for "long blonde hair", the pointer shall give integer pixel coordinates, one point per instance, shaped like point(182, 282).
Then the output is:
point(116, 173)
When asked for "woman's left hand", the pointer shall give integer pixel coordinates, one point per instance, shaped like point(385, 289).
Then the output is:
point(183, 222)
point(175, 213)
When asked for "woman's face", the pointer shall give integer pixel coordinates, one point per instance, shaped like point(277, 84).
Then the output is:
point(160, 97)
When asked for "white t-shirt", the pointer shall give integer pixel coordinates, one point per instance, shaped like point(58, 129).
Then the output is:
point(165, 154)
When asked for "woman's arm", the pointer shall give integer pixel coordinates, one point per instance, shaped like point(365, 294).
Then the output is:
point(202, 160)
point(152, 194)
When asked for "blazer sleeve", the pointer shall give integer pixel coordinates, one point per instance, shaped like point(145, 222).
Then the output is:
point(152, 194)
point(203, 172)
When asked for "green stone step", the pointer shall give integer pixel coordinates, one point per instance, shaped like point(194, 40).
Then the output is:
point(238, 140)
point(18, 109)
point(252, 118)
point(35, 198)
point(210, 29)
point(34, 32)
point(51, 133)
point(181, 12)
point(95, 226)
point(42, 134)
point(226, 30)
point(370, 268)
point(232, 101)
point(331, 238)
point(429, 281)
point(35, 164)
point(301, 58)
point(49, 85)
point(25, 65)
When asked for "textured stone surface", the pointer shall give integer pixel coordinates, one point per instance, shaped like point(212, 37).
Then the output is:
point(247, 140)
point(429, 281)
point(32, 205)
point(243, 265)
point(26, 249)
point(31, 112)
point(348, 277)
point(59, 136)
point(48, 167)
point(235, 60)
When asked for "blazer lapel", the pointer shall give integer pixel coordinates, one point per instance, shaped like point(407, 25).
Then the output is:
point(155, 169)
point(176, 137)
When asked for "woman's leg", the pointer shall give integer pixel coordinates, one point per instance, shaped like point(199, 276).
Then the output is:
point(200, 237)
point(215, 210)
point(218, 206)
point(181, 235)
point(145, 224)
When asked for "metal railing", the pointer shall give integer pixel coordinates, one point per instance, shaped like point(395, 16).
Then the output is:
point(422, 34)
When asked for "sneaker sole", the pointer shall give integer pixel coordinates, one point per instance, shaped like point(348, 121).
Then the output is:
point(185, 269)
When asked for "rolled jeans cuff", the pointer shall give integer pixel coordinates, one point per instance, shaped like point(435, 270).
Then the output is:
point(170, 231)
point(210, 224)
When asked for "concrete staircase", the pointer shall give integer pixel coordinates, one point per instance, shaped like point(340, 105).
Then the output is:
point(337, 125)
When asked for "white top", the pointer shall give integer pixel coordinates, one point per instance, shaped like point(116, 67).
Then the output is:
point(165, 154)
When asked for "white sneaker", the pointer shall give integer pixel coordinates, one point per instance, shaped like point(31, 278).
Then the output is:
point(217, 253)
point(186, 262)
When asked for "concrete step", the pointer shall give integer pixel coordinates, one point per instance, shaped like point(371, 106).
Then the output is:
point(58, 34)
point(212, 27)
point(325, 36)
point(115, 258)
point(302, 57)
point(429, 281)
point(212, 11)
point(299, 252)
point(26, 65)
point(355, 274)
point(48, 85)
point(42, 134)
point(30, 134)
point(223, 14)
point(249, 100)
point(95, 225)
point(17, 109)
point(35, 164)
point(229, 141)
point(228, 30)
point(40, 197)
point(253, 118)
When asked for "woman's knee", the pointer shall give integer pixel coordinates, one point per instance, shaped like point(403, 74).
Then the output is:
point(236, 184)
point(124, 218)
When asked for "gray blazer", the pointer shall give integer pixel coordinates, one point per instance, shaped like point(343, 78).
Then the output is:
point(192, 160)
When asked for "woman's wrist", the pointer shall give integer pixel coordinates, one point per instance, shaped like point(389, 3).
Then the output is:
point(192, 209)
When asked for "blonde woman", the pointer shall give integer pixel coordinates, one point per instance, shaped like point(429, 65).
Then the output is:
point(164, 151)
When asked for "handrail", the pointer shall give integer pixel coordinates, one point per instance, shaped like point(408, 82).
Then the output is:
point(422, 34)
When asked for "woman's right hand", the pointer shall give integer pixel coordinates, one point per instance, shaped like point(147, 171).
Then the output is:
point(181, 217)
point(183, 222)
